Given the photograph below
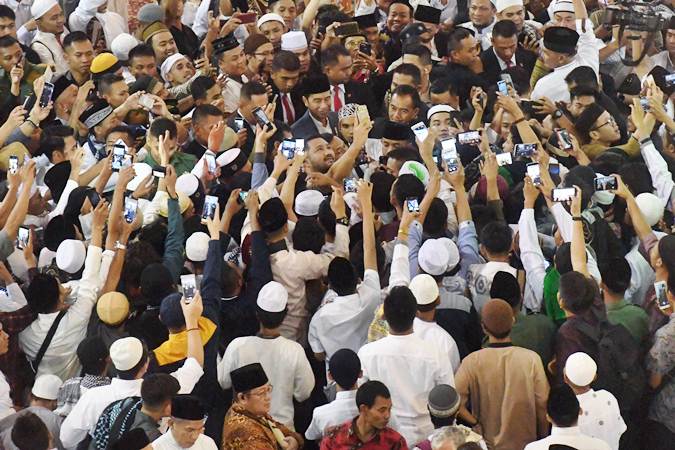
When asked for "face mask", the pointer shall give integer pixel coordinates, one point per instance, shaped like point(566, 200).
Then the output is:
point(387, 217)
point(86, 222)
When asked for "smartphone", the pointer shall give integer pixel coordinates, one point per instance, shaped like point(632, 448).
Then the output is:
point(644, 102)
point(350, 184)
point(661, 289)
point(563, 139)
point(239, 124)
point(420, 130)
point(554, 169)
point(525, 150)
point(288, 148)
point(503, 87)
point(362, 114)
point(13, 164)
point(242, 197)
point(146, 101)
point(469, 138)
point(188, 284)
point(93, 197)
point(504, 159)
point(606, 183)
point(300, 146)
point(46, 96)
point(22, 236)
point(130, 206)
point(261, 117)
point(507, 78)
point(210, 162)
point(412, 204)
point(449, 144)
point(670, 79)
point(365, 48)
point(159, 172)
point(248, 17)
point(534, 172)
point(563, 194)
point(347, 28)
point(49, 73)
point(118, 157)
point(209, 211)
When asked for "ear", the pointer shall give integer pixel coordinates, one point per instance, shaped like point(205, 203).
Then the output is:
point(593, 135)
point(304, 100)
point(417, 112)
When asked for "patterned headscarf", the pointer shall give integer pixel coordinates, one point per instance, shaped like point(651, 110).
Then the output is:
point(347, 110)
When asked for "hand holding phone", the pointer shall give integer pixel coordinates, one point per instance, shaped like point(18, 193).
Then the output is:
point(661, 289)
point(209, 211)
point(609, 183)
point(130, 206)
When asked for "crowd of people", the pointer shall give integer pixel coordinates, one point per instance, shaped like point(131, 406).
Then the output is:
point(336, 225)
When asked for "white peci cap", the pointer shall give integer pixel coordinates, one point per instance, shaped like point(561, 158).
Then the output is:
point(197, 246)
point(273, 297)
point(126, 352)
point(70, 255)
point(47, 387)
point(424, 288)
point(580, 369)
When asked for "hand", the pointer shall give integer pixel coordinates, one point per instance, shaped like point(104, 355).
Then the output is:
point(456, 178)
point(233, 205)
point(132, 102)
point(242, 136)
point(318, 179)
point(39, 113)
point(5, 275)
point(544, 105)
point(213, 225)
point(426, 147)
point(364, 192)
point(14, 179)
point(577, 153)
point(16, 74)
point(489, 167)
point(159, 107)
point(530, 192)
point(16, 117)
point(290, 443)
point(192, 311)
point(100, 215)
point(125, 175)
point(658, 111)
point(281, 164)
point(170, 181)
point(337, 202)
point(230, 25)
point(216, 136)
point(263, 134)
point(575, 202)
point(531, 44)
point(128, 228)
point(28, 253)
point(509, 105)
point(252, 203)
point(105, 166)
point(361, 131)
point(163, 151)
point(644, 123)
point(27, 173)
point(621, 189)
point(144, 187)
point(407, 219)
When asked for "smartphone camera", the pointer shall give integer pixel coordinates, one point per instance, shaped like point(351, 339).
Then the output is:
point(13, 164)
point(534, 172)
point(412, 204)
point(159, 172)
point(118, 158)
point(209, 211)
point(503, 87)
point(242, 197)
point(288, 148)
point(661, 289)
point(525, 150)
point(469, 138)
point(606, 183)
point(504, 159)
point(563, 194)
point(188, 284)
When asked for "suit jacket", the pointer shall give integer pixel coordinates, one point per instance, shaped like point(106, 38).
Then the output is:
point(304, 127)
point(491, 68)
point(250, 135)
point(362, 94)
point(296, 99)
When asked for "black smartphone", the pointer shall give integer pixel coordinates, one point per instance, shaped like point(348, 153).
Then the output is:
point(347, 29)
point(365, 48)
point(261, 117)
point(46, 96)
point(606, 183)
point(525, 150)
point(94, 198)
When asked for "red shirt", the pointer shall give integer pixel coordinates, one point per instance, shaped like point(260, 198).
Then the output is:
point(344, 437)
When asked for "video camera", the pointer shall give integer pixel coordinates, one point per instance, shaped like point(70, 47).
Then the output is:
point(634, 16)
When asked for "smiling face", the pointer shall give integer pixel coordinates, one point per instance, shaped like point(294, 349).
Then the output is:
point(273, 31)
point(398, 17)
point(287, 10)
point(164, 45)
point(180, 72)
point(52, 21)
point(318, 105)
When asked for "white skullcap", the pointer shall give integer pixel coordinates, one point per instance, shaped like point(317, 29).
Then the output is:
point(142, 170)
point(197, 246)
point(40, 7)
point(307, 202)
point(187, 184)
point(273, 297)
point(293, 41)
point(270, 17)
point(439, 108)
point(560, 6)
point(417, 169)
point(424, 288)
point(227, 157)
point(438, 256)
point(580, 369)
point(126, 352)
point(651, 207)
point(122, 45)
point(47, 387)
point(70, 255)
point(501, 5)
point(169, 62)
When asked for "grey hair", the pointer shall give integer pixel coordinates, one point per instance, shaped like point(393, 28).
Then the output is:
point(452, 434)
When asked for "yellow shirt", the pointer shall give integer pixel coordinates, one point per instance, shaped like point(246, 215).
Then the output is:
point(175, 348)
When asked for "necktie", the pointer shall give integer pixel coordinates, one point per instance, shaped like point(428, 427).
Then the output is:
point(288, 111)
point(509, 64)
point(337, 103)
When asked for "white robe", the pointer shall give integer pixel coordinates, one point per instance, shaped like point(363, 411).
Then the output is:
point(167, 442)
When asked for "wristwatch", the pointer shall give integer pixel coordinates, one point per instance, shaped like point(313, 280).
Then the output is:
point(120, 246)
point(343, 221)
point(557, 114)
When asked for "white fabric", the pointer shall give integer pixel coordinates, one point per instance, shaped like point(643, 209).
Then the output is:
point(337, 412)
point(410, 367)
point(533, 261)
point(568, 436)
point(82, 419)
point(15, 299)
point(285, 364)
point(343, 322)
point(41, 7)
point(167, 442)
point(50, 51)
point(501, 5)
point(6, 402)
point(642, 276)
point(480, 280)
point(433, 333)
point(231, 93)
point(112, 23)
point(600, 417)
point(484, 36)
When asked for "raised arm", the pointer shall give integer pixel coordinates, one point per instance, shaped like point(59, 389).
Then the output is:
point(578, 245)
point(344, 165)
point(365, 192)
point(192, 311)
point(18, 214)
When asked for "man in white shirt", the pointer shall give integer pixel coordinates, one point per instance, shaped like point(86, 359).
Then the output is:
point(130, 358)
point(482, 19)
point(231, 61)
point(48, 40)
point(283, 360)
point(410, 366)
point(600, 415)
point(563, 412)
point(344, 368)
point(186, 427)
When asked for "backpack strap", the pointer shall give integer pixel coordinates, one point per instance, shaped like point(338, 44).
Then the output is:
point(48, 340)
point(128, 412)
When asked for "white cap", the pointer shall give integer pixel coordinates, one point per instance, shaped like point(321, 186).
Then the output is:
point(40, 7)
point(70, 255)
point(227, 157)
point(270, 17)
point(651, 207)
point(294, 41)
point(424, 288)
point(126, 352)
point(142, 170)
point(122, 45)
point(580, 369)
point(501, 5)
point(307, 202)
point(437, 256)
point(560, 6)
point(439, 108)
point(168, 63)
point(417, 169)
point(273, 297)
point(197, 246)
point(47, 387)
point(187, 184)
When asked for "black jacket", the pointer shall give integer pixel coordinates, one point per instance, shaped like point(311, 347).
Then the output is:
point(491, 68)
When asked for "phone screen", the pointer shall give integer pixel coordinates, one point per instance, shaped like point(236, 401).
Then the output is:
point(261, 117)
point(118, 158)
point(449, 144)
point(504, 159)
point(300, 146)
point(242, 196)
point(564, 139)
point(533, 171)
point(239, 124)
point(420, 130)
point(210, 162)
point(13, 164)
point(209, 211)
point(288, 148)
point(130, 206)
point(362, 113)
point(189, 285)
point(563, 194)
point(469, 138)
point(46, 96)
point(503, 87)
point(525, 150)
point(350, 185)
point(606, 183)
point(412, 204)
point(159, 172)
point(661, 289)
point(22, 236)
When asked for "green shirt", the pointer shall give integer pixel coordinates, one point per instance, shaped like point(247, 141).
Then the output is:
point(632, 317)
point(30, 73)
point(182, 162)
point(534, 332)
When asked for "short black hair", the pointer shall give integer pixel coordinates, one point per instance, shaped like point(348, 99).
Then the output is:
point(75, 36)
point(50, 144)
point(122, 129)
point(456, 38)
point(577, 292)
point(342, 277)
point(90, 353)
point(406, 186)
point(141, 50)
point(308, 235)
point(408, 91)
point(563, 258)
point(43, 294)
point(616, 275)
point(248, 90)
point(200, 86)
point(331, 55)
point(270, 320)
point(161, 125)
point(583, 76)
point(419, 50)
point(563, 406)
point(106, 81)
point(7, 13)
point(436, 220)
point(400, 308)
point(442, 85)
point(285, 60)
point(497, 237)
point(202, 112)
point(368, 392)
point(7, 41)
point(410, 70)
point(504, 28)
point(382, 182)
point(30, 433)
point(402, 2)
point(157, 389)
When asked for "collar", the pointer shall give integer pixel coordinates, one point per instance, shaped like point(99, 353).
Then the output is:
point(615, 306)
point(500, 344)
point(278, 246)
point(567, 431)
point(318, 123)
point(513, 58)
point(339, 86)
point(565, 66)
point(126, 384)
point(345, 395)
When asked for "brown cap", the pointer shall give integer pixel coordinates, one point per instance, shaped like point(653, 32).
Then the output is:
point(112, 308)
point(497, 317)
point(151, 30)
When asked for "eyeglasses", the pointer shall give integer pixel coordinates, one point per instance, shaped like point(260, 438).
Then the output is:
point(609, 121)
point(266, 391)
